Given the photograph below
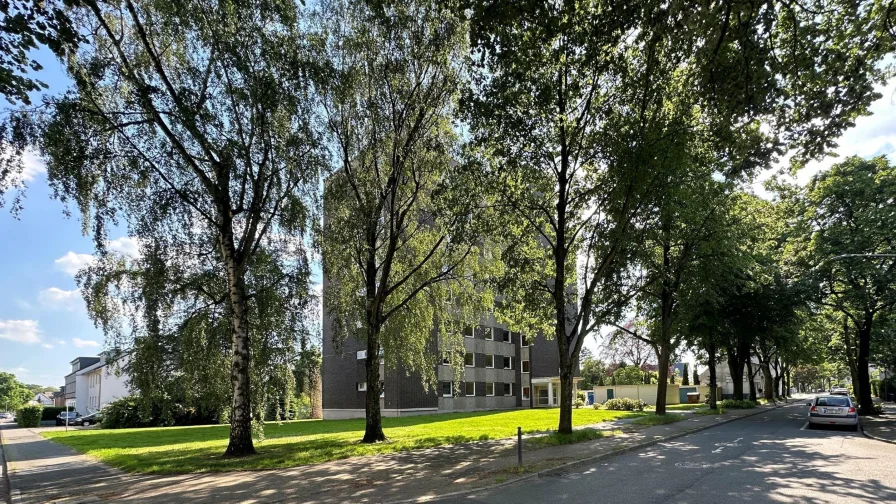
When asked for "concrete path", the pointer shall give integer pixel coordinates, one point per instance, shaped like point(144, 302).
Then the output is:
point(767, 458)
point(42, 471)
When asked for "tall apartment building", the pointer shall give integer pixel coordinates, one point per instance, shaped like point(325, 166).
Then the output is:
point(502, 370)
point(94, 382)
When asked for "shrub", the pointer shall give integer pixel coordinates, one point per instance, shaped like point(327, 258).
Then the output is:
point(29, 415)
point(625, 404)
point(596, 405)
point(579, 403)
point(51, 412)
point(736, 404)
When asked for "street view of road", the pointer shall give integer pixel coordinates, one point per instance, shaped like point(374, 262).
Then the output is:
point(772, 457)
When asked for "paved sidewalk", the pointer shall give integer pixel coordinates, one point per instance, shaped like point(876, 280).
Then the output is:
point(42, 471)
point(881, 427)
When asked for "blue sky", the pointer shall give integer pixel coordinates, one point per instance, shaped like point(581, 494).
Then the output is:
point(43, 322)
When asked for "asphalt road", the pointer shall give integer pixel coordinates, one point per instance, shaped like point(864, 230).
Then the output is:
point(769, 457)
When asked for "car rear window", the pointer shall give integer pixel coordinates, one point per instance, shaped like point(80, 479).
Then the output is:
point(833, 401)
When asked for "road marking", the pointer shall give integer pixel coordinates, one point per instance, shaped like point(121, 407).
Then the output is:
point(719, 450)
point(804, 426)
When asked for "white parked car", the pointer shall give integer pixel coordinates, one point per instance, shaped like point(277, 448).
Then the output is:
point(833, 410)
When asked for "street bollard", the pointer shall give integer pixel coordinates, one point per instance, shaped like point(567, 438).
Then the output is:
point(519, 445)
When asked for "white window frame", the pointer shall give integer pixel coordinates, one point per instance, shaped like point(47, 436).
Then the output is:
point(524, 367)
point(362, 354)
point(473, 361)
point(506, 394)
point(450, 389)
point(492, 359)
point(509, 336)
point(466, 392)
point(446, 360)
point(526, 394)
point(472, 332)
point(361, 386)
point(489, 333)
point(524, 339)
point(509, 361)
point(493, 389)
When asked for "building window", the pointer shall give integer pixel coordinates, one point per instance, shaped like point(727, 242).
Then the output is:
point(470, 388)
point(489, 361)
point(382, 389)
point(525, 366)
point(526, 393)
point(446, 359)
point(524, 340)
point(505, 335)
point(508, 362)
point(469, 359)
point(362, 354)
point(362, 386)
point(487, 333)
point(508, 389)
point(447, 389)
point(489, 389)
point(468, 332)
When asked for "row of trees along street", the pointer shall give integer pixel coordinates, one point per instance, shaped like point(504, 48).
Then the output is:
point(584, 162)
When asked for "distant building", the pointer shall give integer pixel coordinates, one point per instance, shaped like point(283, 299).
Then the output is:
point(59, 397)
point(94, 382)
point(42, 399)
point(723, 378)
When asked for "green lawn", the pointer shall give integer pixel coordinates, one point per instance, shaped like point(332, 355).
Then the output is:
point(199, 449)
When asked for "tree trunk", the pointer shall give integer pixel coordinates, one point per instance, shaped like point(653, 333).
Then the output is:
point(567, 395)
point(864, 385)
point(661, 383)
point(851, 357)
point(711, 352)
point(768, 393)
point(373, 427)
point(751, 375)
point(240, 443)
point(315, 394)
point(777, 377)
point(736, 369)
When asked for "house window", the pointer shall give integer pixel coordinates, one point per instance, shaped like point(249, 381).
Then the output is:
point(362, 354)
point(526, 393)
point(469, 359)
point(382, 389)
point(470, 388)
point(525, 366)
point(362, 386)
point(488, 333)
point(508, 389)
point(508, 362)
point(489, 389)
point(489, 361)
point(524, 340)
point(505, 336)
point(468, 332)
point(447, 389)
point(446, 359)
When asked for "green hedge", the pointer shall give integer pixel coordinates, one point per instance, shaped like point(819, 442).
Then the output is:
point(625, 404)
point(51, 412)
point(736, 404)
point(29, 415)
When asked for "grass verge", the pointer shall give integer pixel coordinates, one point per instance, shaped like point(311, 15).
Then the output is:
point(173, 450)
point(678, 407)
point(707, 411)
point(652, 420)
point(577, 436)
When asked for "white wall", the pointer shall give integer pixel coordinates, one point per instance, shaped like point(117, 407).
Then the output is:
point(81, 394)
point(114, 387)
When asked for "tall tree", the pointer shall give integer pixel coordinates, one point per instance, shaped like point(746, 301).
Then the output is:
point(401, 246)
point(581, 106)
point(192, 122)
point(849, 221)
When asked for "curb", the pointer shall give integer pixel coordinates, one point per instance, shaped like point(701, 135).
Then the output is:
point(582, 462)
point(876, 438)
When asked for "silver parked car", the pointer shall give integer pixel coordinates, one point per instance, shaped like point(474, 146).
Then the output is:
point(833, 410)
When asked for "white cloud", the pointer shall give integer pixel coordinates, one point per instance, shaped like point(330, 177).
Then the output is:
point(47, 345)
point(126, 245)
point(33, 166)
point(71, 262)
point(56, 298)
point(20, 331)
point(78, 342)
point(25, 305)
point(59, 342)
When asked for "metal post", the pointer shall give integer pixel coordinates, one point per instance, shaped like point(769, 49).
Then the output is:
point(519, 446)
